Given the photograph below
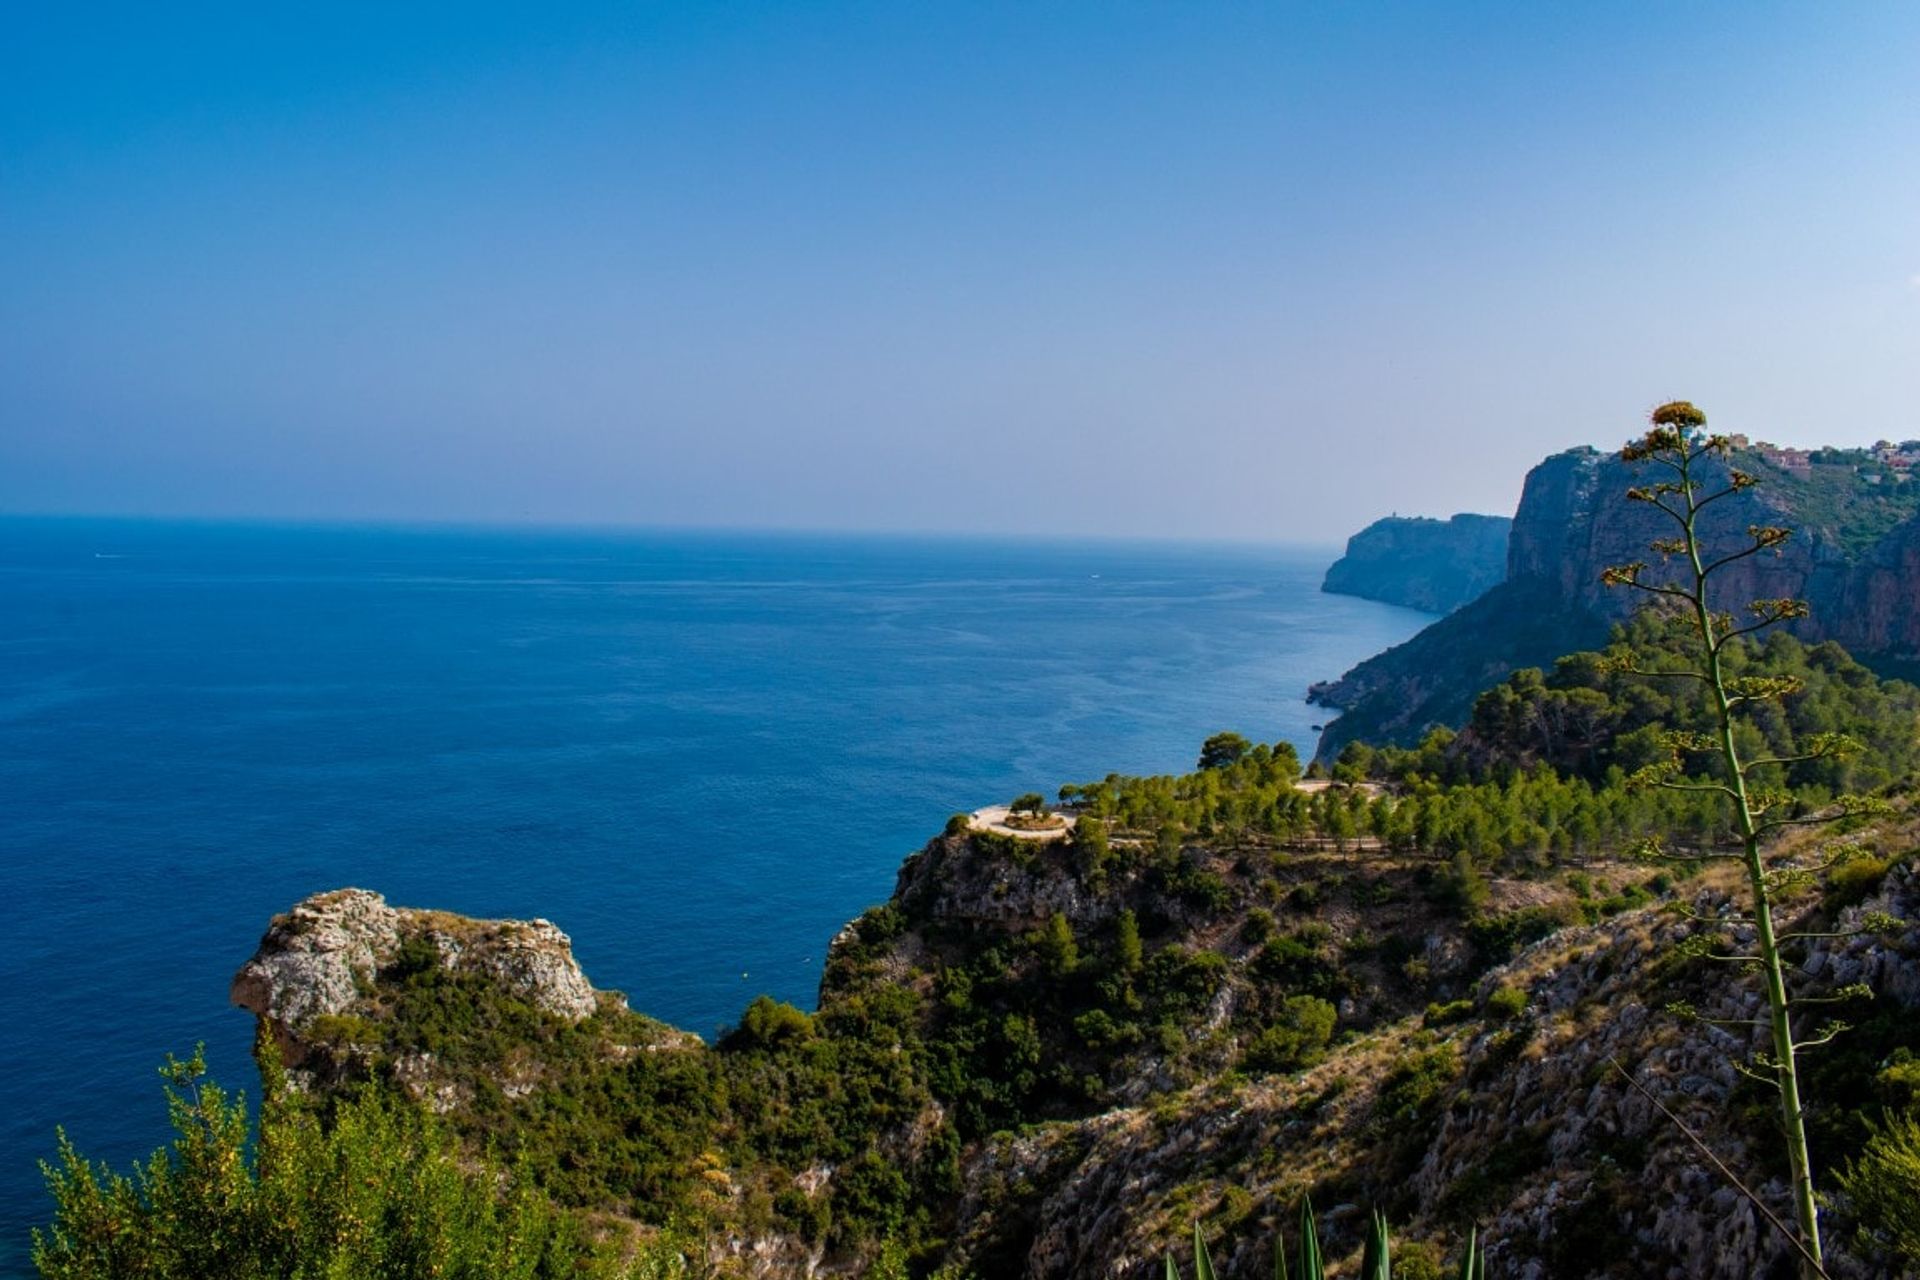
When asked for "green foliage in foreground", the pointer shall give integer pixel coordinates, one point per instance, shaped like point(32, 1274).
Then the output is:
point(381, 1190)
point(1884, 1186)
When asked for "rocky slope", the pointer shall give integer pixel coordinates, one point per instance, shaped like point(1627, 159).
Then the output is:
point(1421, 563)
point(1855, 557)
point(1520, 1122)
point(1454, 1092)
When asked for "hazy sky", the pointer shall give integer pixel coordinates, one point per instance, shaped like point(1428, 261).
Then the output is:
point(1197, 269)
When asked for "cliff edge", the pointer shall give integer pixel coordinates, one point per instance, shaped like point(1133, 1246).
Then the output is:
point(1422, 563)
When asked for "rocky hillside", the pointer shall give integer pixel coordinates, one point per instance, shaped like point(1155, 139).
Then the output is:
point(1855, 557)
point(1048, 1060)
point(1421, 563)
point(1511, 1109)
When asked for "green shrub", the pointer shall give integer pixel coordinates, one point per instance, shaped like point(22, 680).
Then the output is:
point(381, 1189)
point(1127, 955)
point(342, 1030)
point(768, 1024)
point(1854, 881)
point(1496, 938)
point(1101, 1030)
point(1297, 1038)
point(1177, 980)
point(1055, 946)
point(1898, 1081)
point(1259, 926)
point(1462, 886)
point(1413, 1089)
point(1415, 1260)
point(1439, 1015)
point(1295, 965)
point(1884, 1185)
point(1506, 1003)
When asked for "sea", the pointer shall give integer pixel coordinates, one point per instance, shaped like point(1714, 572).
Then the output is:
point(698, 753)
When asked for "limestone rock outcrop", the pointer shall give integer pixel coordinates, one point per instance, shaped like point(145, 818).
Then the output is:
point(322, 959)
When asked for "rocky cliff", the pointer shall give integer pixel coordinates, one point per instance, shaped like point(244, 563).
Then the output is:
point(1854, 556)
point(325, 976)
point(1453, 1092)
point(1421, 563)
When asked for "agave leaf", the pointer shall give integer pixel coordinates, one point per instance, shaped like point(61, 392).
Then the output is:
point(1310, 1266)
point(1202, 1264)
point(1279, 1254)
point(1375, 1261)
point(1173, 1272)
point(1473, 1264)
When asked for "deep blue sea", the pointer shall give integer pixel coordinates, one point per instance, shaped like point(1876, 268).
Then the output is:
point(699, 754)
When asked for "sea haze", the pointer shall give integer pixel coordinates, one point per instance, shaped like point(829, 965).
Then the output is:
point(699, 754)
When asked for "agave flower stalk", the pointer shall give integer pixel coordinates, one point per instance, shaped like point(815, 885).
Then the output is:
point(1678, 444)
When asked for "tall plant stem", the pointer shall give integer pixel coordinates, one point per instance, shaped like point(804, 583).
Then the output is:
point(1785, 1068)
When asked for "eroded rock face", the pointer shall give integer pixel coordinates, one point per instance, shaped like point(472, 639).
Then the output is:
point(1538, 1138)
point(963, 880)
point(322, 958)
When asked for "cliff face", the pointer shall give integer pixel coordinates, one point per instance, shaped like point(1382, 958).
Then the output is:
point(1851, 558)
point(1878, 607)
point(1574, 521)
point(1420, 563)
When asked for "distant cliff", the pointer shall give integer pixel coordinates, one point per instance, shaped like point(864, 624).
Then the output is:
point(1422, 563)
point(1854, 556)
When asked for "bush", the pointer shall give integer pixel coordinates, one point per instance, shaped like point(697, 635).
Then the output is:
point(1439, 1015)
point(872, 1193)
point(1898, 1080)
point(1496, 938)
point(1298, 1038)
point(1056, 947)
point(1259, 926)
point(1296, 966)
point(1413, 1089)
point(380, 1190)
point(1101, 1030)
point(1506, 1003)
point(768, 1024)
point(1461, 886)
point(1884, 1185)
point(1181, 981)
point(1856, 880)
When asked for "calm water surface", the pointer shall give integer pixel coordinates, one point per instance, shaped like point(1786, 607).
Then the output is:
point(698, 754)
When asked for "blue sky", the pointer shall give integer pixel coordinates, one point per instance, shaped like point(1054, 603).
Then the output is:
point(1182, 269)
